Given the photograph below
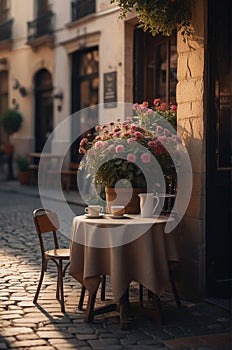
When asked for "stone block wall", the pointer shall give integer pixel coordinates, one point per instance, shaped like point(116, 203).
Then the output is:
point(191, 126)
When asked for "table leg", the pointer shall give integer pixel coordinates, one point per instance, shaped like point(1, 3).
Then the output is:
point(82, 296)
point(89, 315)
point(124, 310)
point(91, 312)
point(155, 310)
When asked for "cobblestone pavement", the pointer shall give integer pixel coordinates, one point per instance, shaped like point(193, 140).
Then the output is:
point(24, 325)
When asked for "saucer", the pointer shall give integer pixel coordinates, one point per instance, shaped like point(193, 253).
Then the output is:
point(119, 216)
point(100, 216)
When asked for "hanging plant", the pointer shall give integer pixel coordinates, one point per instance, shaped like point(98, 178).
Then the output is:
point(160, 16)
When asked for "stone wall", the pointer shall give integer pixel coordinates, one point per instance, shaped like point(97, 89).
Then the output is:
point(191, 126)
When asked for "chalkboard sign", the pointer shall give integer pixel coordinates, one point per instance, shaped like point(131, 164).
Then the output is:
point(110, 89)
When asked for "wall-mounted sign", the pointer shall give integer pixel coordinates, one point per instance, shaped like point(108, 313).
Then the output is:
point(110, 89)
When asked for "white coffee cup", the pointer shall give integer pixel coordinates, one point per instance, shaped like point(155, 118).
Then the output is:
point(117, 210)
point(93, 210)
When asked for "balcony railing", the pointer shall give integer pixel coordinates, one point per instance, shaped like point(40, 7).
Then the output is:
point(82, 8)
point(6, 30)
point(4, 15)
point(41, 26)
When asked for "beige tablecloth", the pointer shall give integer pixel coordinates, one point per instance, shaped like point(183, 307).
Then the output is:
point(143, 259)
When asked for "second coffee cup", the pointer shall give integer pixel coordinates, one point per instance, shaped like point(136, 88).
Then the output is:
point(93, 210)
point(117, 210)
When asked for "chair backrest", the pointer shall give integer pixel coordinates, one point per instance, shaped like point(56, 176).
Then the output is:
point(46, 221)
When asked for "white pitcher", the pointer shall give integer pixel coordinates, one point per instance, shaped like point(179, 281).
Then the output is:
point(147, 206)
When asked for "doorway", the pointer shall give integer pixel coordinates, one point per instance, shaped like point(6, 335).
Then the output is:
point(4, 95)
point(85, 89)
point(219, 151)
point(43, 109)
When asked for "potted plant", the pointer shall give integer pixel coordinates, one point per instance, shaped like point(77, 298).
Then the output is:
point(11, 121)
point(23, 170)
point(160, 16)
point(127, 153)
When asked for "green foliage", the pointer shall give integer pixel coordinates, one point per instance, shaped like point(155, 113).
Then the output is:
point(160, 16)
point(11, 121)
point(22, 163)
point(120, 169)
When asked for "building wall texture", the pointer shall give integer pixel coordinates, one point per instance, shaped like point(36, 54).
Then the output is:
point(191, 127)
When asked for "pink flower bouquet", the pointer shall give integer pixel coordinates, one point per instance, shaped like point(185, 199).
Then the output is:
point(121, 150)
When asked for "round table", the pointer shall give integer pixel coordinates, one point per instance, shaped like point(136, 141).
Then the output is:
point(143, 255)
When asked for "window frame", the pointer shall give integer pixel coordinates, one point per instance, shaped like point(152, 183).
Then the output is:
point(144, 43)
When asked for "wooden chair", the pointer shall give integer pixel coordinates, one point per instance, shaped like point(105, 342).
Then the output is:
point(33, 168)
point(47, 221)
point(69, 175)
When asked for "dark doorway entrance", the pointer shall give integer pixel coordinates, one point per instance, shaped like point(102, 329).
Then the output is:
point(219, 150)
point(3, 101)
point(85, 85)
point(43, 109)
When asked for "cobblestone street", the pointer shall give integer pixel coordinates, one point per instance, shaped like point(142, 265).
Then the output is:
point(24, 325)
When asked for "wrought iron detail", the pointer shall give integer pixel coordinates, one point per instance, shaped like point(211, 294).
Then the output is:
point(6, 30)
point(82, 8)
point(41, 26)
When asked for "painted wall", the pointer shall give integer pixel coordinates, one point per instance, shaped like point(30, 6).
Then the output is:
point(103, 30)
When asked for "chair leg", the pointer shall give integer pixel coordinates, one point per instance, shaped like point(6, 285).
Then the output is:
point(103, 288)
point(124, 310)
point(174, 289)
point(157, 309)
point(60, 285)
point(82, 296)
point(64, 271)
point(43, 269)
